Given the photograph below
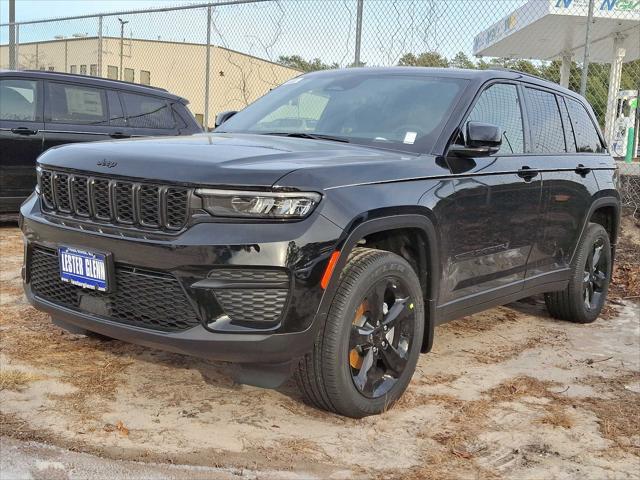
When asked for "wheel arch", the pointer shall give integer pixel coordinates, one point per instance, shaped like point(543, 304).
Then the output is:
point(374, 223)
point(606, 212)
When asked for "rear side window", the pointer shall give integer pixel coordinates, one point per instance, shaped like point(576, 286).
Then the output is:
point(499, 105)
point(77, 104)
point(116, 115)
point(547, 134)
point(147, 112)
point(179, 121)
point(587, 139)
point(19, 100)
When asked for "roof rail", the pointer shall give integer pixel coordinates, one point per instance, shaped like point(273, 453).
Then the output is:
point(98, 78)
point(519, 72)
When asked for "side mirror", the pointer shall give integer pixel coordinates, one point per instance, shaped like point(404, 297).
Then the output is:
point(224, 116)
point(481, 140)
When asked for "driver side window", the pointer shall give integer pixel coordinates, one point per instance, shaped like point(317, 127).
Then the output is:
point(499, 105)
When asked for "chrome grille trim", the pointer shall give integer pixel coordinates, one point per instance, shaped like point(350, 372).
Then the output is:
point(117, 202)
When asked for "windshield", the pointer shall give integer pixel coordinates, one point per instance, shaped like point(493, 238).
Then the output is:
point(397, 111)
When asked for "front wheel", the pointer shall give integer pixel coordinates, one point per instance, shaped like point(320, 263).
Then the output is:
point(583, 299)
point(366, 352)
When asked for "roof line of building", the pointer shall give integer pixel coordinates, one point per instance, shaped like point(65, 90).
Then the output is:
point(73, 39)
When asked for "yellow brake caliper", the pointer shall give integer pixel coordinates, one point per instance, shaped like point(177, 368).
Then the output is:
point(355, 357)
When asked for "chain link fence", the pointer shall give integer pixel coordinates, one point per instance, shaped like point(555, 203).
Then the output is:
point(223, 55)
point(629, 186)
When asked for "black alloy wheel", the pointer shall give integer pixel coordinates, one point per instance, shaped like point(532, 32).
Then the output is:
point(381, 336)
point(596, 271)
point(585, 294)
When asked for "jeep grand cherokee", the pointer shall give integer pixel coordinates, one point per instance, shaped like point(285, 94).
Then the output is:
point(327, 229)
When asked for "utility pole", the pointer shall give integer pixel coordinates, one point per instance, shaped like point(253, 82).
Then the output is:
point(587, 48)
point(356, 60)
point(100, 46)
point(12, 34)
point(207, 79)
point(122, 24)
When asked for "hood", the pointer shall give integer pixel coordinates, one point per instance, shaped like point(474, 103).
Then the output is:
point(240, 160)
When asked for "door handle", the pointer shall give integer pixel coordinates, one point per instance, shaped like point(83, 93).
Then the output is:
point(582, 170)
point(119, 135)
point(527, 173)
point(24, 131)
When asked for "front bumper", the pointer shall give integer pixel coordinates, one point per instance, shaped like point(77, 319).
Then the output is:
point(300, 249)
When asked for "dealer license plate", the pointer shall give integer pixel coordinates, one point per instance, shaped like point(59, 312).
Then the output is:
point(83, 268)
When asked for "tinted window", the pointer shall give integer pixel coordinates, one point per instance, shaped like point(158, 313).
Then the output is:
point(19, 100)
point(405, 112)
point(547, 135)
point(76, 104)
point(179, 121)
point(147, 112)
point(570, 138)
point(587, 139)
point(499, 105)
point(116, 115)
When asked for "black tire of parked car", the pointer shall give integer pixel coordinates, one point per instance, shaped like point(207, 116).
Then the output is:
point(584, 297)
point(326, 375)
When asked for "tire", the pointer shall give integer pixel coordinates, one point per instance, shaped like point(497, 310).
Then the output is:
point(346, 373)
point(571, 303)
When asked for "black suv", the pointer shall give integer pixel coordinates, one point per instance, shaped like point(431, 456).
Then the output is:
point(331, 225)
point(39, 110)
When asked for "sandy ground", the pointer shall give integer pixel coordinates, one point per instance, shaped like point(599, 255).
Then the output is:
point(508, 393)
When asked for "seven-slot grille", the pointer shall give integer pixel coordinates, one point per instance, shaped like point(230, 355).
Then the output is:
point(114, 201)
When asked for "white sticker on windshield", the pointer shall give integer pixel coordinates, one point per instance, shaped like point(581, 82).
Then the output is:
point(410, 137)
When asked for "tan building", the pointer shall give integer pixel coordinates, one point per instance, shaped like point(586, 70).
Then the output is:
point(236, 79)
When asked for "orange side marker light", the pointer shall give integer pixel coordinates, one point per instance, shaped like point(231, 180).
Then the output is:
point(329, 270)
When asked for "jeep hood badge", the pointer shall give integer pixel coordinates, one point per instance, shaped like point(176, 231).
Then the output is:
point(106, 163)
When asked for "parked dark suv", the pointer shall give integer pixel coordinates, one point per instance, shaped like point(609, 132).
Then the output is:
point(39, 110)
point(331, 225)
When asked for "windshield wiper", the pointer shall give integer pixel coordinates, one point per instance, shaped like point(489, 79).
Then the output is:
point(314, 136)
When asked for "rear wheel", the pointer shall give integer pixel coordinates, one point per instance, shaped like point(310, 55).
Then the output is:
point(367, 350)
point(583, 299)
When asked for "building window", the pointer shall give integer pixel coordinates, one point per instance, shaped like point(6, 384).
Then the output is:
point(42, 68)
point(73, 69)
point(200, 118)
point(93, 70)
point(52, 69)
point(129, 75)
point(83, 69)
point(112, 72)
point(145, 77)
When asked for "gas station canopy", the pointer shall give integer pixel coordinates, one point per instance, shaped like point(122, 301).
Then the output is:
point(549, 29)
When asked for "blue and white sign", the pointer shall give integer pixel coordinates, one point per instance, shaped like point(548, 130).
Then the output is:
point(82, 268)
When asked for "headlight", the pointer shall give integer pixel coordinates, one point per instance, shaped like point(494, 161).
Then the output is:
point(238, 203)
